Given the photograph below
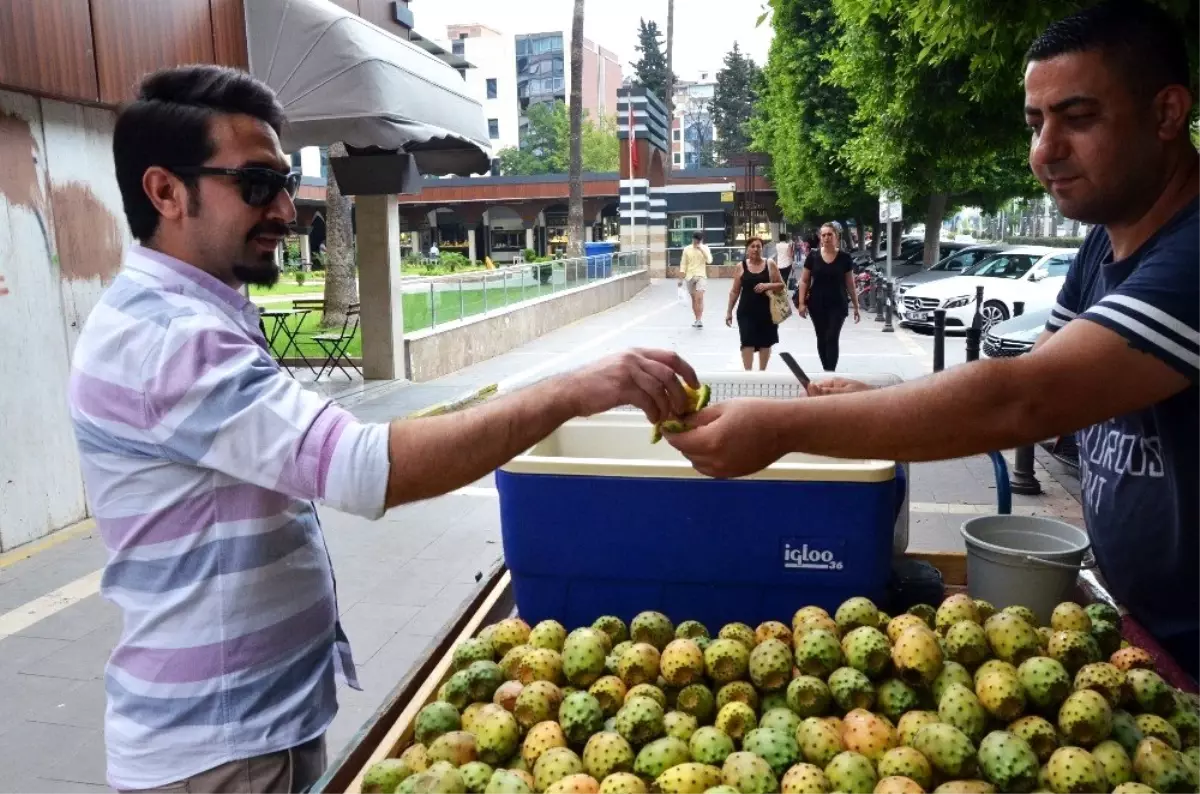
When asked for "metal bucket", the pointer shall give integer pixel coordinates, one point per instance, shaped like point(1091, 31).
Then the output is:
point(1025, 560)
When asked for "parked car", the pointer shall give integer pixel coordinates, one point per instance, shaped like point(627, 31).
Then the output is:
point(1032, 274)
point(1016, 335)
point(912, 257)
point(957, 262)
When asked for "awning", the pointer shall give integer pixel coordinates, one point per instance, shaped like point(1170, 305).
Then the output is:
point(340, 78)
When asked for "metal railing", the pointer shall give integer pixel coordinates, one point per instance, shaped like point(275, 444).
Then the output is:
point(430, 301)
point(721, 254)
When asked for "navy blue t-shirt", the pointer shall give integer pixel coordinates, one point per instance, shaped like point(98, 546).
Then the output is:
point(1141, 472)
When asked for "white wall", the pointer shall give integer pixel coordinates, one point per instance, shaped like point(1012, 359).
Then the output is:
point(495, 57)
point(310, 161)
point(62, 237)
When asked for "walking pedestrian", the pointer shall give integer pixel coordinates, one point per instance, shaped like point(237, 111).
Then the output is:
point(826, 285)
point(751, 284)
point(785, 257)
point(693, 268)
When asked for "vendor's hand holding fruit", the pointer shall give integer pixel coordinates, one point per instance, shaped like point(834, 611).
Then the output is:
point(648, 379)
point(728, 439)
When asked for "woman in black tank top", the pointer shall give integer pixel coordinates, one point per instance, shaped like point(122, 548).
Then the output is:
point(826, 283)
point(755, 279)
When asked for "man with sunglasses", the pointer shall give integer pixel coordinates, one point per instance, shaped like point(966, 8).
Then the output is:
point(202, 459)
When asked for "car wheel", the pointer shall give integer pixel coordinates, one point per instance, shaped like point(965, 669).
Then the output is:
point(993, 312)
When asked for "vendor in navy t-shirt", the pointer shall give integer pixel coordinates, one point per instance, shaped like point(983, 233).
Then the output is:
point(1107, 100)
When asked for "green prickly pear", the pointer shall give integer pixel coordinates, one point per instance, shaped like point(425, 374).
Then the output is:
point(1085, 718)
point(1008, 761)
point(1012, 639)
point(748, 773)
point(1069, 616)
point(1154, 725)
point(1133, 787)
point(435, 719)
point(808, 696)
point(541, 737)
point(726, 660)
point(952, 673)
point(1186, 721)
point(991, 666)
point(680, 724)
point(653, 628)
point(691, 630)
point(476, 776)
point(805, 779)
point(1105, 679)
point(819, 741)
point(1039, 733)
point(659, 756)
point(867, 650)
point(985, 609)
point(894, 698)
point(610, 692)
point(925, 612)
point(912, 722)
point(906, 762)
point(1107, 636)
point(783, 719)
point(1126, 731)
point(966, 643)
point(504, 781)
point(777, 748)
point(497, 736)
point(1073, 649)
point(554, 765)
point(614, 627)
point(736, 719)
point(647, 691)
point(851, 689)
point(456, 747)
point(948, 749)
point(639, 664)
point(953, 610)
point(961, 708)
point(1024, 613)
point(772, 701)
point(917, 657)
point(1160, 767)
point(850, 771)
point(855, 612)
point(697, 700)
point(580, 716)
point(1001, 694)
point(607, 753)
point(384, 776)
point(737, 692)
point(1118, 768)
point(623, 783)
point(1153, 695)
point(710, 745)
point(770, 665)
point(1046, 682)
point(818, 653)
point(549, 634)
point(688, 778)
point(640, 720)
point(1073, 770)
point(1102, 611)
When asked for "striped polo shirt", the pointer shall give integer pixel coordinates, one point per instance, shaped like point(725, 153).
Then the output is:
point(201, 460)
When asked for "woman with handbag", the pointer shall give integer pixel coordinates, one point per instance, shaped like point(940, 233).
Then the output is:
point(758, 293)
point(826, 283)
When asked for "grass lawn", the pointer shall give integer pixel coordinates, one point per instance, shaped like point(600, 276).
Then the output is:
point(286, 287)
point(416, 315)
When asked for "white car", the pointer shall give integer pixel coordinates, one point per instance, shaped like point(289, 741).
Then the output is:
point(1033, 274)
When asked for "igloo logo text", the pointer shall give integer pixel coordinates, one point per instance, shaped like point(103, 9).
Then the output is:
point(810, 558)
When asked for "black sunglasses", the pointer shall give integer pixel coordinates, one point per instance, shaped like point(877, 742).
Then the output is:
point(259, 185)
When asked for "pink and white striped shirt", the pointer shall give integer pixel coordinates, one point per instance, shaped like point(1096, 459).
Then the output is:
point(201, 461)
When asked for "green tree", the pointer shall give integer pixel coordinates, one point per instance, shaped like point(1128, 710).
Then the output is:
point(546, 145)
point(738, 84)
point(804, 121)
point(651, 70)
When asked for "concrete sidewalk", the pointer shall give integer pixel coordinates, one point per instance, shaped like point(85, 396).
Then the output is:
point(401, 578)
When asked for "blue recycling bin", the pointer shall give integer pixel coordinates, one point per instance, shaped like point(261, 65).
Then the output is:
point(599, 259)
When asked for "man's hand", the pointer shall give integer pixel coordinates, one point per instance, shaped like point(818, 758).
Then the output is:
point(648, 379)
point(835, 386)
point(731, 439)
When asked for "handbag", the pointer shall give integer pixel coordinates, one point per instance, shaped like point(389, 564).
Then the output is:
point(781, 307)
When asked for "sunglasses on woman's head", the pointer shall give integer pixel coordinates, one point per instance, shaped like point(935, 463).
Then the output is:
point(259, 185)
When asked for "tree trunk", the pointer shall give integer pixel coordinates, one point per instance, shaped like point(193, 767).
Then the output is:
point(575, 175)
point(934, 214)
point(1074, 228)
point(669, 99)
point(340, 287)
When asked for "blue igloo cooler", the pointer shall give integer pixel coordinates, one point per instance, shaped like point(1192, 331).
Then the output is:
point(596, 520)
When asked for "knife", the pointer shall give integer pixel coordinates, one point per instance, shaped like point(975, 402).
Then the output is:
point(795, 368)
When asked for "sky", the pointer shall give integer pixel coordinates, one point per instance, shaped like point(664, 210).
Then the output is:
point(704, 29)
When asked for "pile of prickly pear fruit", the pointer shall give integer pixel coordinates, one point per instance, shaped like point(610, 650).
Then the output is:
point(958, 698)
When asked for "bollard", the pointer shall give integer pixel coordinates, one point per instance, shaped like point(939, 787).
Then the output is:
point(887, 317)
point(1023, 480)
point(939, 340)
point(973, 334)
point(876, 289)
point(977, 320)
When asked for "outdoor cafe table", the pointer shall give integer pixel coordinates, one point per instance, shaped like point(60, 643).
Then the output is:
point(289, 330)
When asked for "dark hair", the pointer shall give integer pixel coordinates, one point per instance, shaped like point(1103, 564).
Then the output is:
point(697, 236)
point(1145, 42)
point(751, 241)
point(783, 237)
point(168, 125)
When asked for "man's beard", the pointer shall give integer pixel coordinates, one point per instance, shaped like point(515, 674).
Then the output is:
point(260, 274)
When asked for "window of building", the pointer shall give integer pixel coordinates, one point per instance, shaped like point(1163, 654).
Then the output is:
point(675, 134)
point(491, 88)
point(458, 47)
point(324, 162)
point(678, 158)
point(493, 128)
point(295, 161)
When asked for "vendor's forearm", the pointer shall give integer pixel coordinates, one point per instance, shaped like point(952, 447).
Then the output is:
point(988, 405)
point(434, 455)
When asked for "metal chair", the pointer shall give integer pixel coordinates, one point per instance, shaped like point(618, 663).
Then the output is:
point(334, 344)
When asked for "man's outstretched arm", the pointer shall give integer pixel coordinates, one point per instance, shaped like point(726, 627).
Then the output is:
point(435, 455)
point(1084, 374)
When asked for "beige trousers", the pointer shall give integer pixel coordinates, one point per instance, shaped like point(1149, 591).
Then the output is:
point(286, 772)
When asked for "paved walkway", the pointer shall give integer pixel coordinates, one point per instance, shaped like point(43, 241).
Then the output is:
point(402, 577)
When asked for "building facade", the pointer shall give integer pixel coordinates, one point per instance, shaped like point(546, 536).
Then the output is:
point(493, 78)
point(692, 129)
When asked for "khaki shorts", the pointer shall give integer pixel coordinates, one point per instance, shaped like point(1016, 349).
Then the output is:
point(696, 284)
point(285, 772)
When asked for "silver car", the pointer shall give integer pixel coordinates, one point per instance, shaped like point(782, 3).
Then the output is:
point(1015, 336)
point(952, 265)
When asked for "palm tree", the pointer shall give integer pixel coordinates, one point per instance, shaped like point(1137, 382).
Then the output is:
point(340, 288)
point(575, 174)
point(669, 99)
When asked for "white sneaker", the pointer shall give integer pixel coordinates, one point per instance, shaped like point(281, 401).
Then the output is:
point(697, 324)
